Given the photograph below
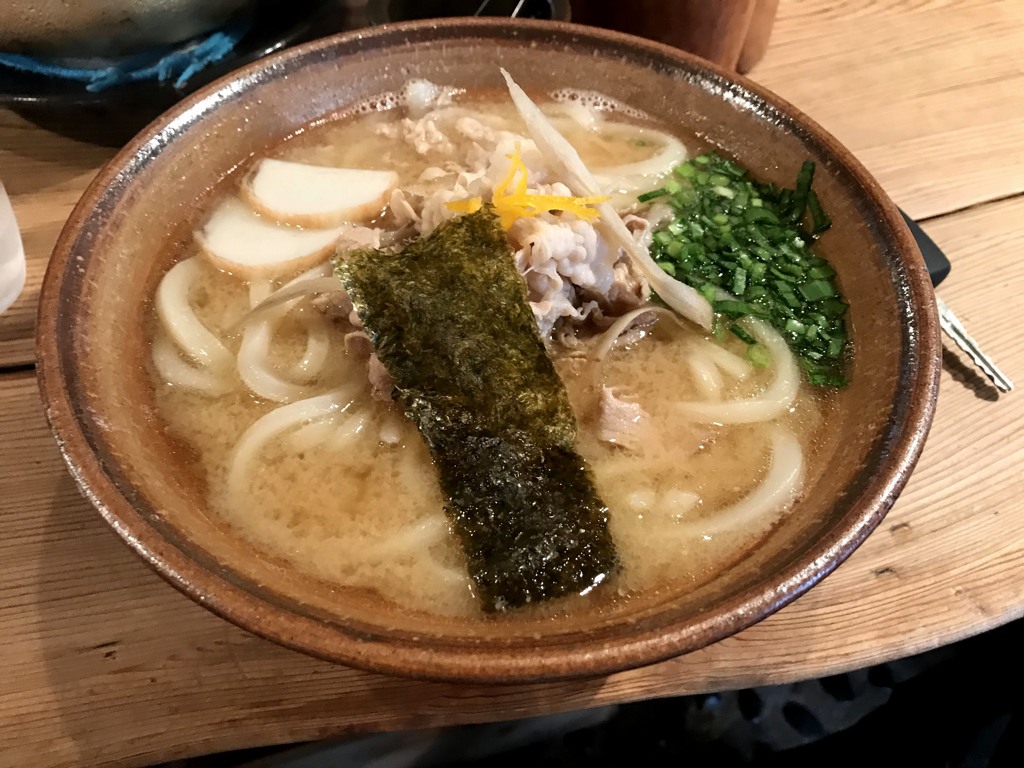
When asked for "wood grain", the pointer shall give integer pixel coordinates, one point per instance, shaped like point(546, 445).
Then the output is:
point(107, 664)
point(45, 175)
point(104, 663)
point(927, 94)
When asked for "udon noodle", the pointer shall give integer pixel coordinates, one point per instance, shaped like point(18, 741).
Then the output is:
point(267, 375)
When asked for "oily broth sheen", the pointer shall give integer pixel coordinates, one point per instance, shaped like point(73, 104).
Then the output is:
point(644, 489)
point(357, 512)
point(323, 508)
point(353, 143)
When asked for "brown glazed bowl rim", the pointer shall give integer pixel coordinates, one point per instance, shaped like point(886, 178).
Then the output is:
point(497, 662)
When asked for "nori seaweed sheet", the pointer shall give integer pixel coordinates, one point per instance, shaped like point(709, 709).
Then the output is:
point(449, 319)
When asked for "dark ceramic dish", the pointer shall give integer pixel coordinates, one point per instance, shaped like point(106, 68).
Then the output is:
point(106, 264)
point(111, 117)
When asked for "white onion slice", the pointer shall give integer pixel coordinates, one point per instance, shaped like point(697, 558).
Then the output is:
point(567, 165)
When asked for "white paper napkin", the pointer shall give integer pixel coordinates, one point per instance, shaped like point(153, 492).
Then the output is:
point(12, 254)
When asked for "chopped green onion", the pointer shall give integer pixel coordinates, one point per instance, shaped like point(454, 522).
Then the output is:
point(815, 290)
point(739, 281)
point(685, 170)
point(804, 179)
point(759, 356)
point(754, 215)
point(734, 308)
point(652, 195)
point(730, 169)
point(821, 272)
point(742, 334)
point(821, 221)
point(731, 234)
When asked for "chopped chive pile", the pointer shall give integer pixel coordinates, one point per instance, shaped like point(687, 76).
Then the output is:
point(753, 241)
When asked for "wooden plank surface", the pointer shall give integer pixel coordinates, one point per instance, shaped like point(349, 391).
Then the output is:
point(89, 634)
point(45, 175)
point(929, 94)
point(106, 664)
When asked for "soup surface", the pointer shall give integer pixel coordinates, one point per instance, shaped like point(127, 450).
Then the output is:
point(344, 488)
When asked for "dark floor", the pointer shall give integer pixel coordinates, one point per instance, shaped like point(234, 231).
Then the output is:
point(959, 707)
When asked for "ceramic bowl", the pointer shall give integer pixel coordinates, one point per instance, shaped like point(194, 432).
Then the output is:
point(114, 248)
point(95, 28)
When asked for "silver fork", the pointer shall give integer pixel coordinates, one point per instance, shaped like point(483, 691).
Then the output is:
point(956, 331)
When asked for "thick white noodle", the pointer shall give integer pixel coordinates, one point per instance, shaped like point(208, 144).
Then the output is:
point(187, 331)
point(320, 270)
point(678, 504)
point(179, 373)
point(312, 435)
point(318, 339)
point(777, 490)
point(318, 347)
point(273, 424)
point(349, 433)
point(416, 538)
point(297, 288)
point(608, 338)
point(705, 374)
point(643, 175)
point(771, 403)
point(730, 364)
point(565, 162)
point(254, 365)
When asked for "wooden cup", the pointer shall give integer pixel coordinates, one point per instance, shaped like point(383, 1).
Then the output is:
point(732, 33)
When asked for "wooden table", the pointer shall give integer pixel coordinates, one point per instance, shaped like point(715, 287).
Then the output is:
point(103, 662)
